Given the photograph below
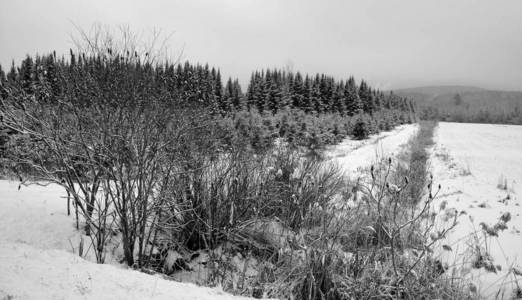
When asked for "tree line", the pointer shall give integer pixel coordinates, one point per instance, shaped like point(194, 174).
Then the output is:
point(272, 90)
point(269, 91)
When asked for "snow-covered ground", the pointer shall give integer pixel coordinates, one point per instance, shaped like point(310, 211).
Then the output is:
point(480, 169)
point(37, 261)
point(353, 156)
point(39, 242)
point(32, 273)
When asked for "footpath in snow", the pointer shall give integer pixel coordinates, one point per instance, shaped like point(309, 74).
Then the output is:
point(353, 156)
point(479, 167)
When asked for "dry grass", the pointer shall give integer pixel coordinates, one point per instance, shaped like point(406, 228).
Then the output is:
point(361, 241)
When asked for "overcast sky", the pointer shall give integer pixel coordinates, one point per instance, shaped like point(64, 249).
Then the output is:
point(392, 44)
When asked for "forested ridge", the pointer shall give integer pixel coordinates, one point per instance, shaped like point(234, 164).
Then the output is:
point(466, 104)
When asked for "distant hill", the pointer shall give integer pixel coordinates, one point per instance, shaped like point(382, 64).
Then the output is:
point(466, 104)
point(443, 89)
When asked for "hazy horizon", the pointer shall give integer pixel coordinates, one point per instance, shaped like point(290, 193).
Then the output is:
point(390, 44)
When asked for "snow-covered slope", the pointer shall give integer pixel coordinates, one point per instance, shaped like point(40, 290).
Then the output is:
point(36, 215)
point(469, 161)
point(37, 261)
point(353, 156)
point(31, 273)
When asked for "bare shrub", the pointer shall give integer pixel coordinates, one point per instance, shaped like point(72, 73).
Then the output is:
point(109, 139)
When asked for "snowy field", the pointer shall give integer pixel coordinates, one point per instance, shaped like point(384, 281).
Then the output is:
point(480, 169)
point(355, 156)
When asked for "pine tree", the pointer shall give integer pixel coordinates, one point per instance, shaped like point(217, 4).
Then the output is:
point(12, 76)
point(26, 74)
point(3, 79)
point(264, 91)
point(259, 93)
point(307, 104)
point(232, 95)
point(379, 99)
point(338, 104)
point(275, 102)
point(217, 92)
point(285, 94)
point(251, 91)
point(51, 72)
point(325, 95)
point(298, 91)
point(237, 95)
point(365, 94)
point(387, 101)
point(353, 103)
point(228, 96)
point(218, 87)
point(315, 96)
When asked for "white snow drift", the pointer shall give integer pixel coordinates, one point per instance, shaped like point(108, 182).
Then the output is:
point(32, 273)
point(37, 261)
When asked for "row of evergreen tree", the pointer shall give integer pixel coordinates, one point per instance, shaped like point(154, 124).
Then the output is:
point(48, 76)
point(272, 90)
point(268, 91)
